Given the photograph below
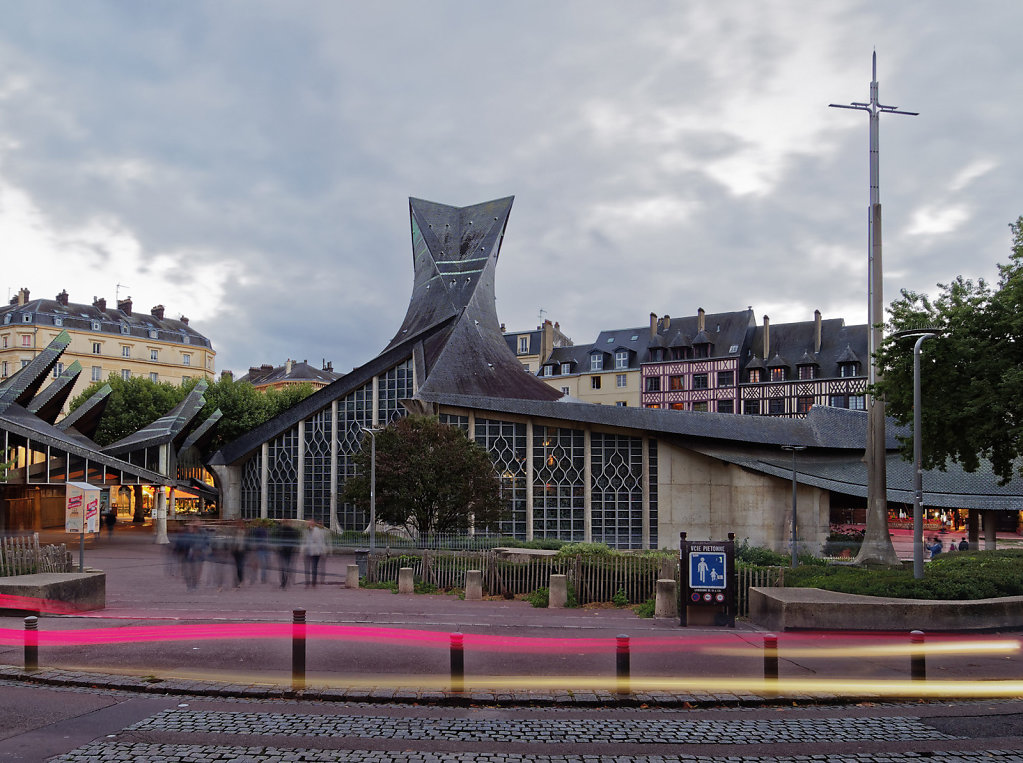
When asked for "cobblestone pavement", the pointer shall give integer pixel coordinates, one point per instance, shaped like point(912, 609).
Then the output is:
point(183, 753)
point(559, 731)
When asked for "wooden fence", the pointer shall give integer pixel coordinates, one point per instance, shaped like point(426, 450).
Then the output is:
point(592, 578)
point(22, 555)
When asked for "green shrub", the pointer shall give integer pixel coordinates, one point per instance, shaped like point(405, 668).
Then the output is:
point(587, 549)
point(646, 609)
point(541, 598)
point(620, 599)
point(757, 556)
point(959, 576)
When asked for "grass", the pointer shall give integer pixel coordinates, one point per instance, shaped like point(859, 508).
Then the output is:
point(956, 576)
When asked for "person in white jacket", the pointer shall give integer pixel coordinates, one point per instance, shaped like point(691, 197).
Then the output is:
point(314, 545)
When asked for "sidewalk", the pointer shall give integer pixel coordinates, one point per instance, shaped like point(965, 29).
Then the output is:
point(378, 646)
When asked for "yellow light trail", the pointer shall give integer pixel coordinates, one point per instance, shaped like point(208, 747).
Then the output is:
point(879, 650)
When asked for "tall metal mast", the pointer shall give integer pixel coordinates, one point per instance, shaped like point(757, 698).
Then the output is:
point(877, 545)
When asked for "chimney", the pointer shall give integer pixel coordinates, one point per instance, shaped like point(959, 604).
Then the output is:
point(157, 312)
point(22, 296)
point(227, 375)
point(100, 304)
point(330, 366)
point(184, 320)
point(701, 320)
point(653, 325)
point(62, 298)
point(667, 323)
point(124, 305)
point(816, 331)
point(767, 338)
point(546, 340)
point(287, 367)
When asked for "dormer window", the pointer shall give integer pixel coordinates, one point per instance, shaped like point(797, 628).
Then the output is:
point(566, 368)
point(807, 372)
point(596, 362)
point(58, 321)
point(848, 369)
point(778, 374)
point(7, 318)
point(26, 317)
point(622, 359)
point(523, 345)
point(125, 328)
point(754, 376)
point(548, 371)
point(153, 333)
point(96, 326)
point(701, 350)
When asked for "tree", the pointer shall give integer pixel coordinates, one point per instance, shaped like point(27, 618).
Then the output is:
point(971, 377)
point(429, 479)
point(138, 402)
point(133, 404)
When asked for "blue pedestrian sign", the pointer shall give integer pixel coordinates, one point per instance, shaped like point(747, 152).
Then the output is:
point(707, 569)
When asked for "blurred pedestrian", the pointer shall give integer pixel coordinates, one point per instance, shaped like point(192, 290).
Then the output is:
point(314, 546)
point(239, 548)
point(195, 545)
point(964, 545)
point(287, 541)
point(110, 519)
point(259, 546)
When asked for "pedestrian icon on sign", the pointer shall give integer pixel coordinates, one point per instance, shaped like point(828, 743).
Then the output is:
point(707, 569)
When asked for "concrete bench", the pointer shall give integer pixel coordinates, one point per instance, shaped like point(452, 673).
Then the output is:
point(786, 609)
point(54, 591)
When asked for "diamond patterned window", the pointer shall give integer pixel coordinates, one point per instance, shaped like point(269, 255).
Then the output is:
point(505, 441)
point(353, 412)
point(616, 490)
point(558, 486)
point(394, 386)
point(282, 476)
point(318, 431)
point(251, 486)
point(651, 461)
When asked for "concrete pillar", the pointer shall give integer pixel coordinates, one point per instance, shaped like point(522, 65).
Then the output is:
point(990, 527)
point(474, 585)
point(405, 583)
point(666, 600)
point(973, 529)
point(160, 515)
point(669, 568)
point(558, 592)
point(352, 578)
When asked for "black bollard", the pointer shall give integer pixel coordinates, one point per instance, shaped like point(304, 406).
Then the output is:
point(31, 643)
point(457, 663)
point(298, 649)
point(917, 658)
point(771, 662)
point(622, 666)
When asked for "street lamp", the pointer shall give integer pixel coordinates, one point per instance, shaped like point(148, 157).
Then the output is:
point(372, 487)
point(795, 449)
point(918, 474)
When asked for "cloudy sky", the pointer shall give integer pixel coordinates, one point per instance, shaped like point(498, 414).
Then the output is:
point(249, 163)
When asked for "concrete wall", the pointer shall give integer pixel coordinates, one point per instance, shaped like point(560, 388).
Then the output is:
point(782, 609)
point(229, 482)
point(707, 499)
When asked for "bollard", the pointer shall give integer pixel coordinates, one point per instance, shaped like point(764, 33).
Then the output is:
point(622, 669)
point(558, 592)
point(917, 659)
point(474, 585)
point(352, 579)
point(457, 664)
point(31, 643)
point(298, 649)
point(406, 583)
point(666, 598)
point(771, 663)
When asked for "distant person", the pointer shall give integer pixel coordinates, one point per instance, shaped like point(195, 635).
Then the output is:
point(196, 544)
point(110, 519)
point(239, 547)
point(259, 545)
point(935, 547)
point(314, 546)
point(287, 541)
point(964, 545)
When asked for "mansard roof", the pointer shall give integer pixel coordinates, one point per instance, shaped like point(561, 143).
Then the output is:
point(798, 340)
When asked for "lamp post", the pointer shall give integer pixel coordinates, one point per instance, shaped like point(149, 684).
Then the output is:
point(918, 473)
point(372, 487)
point(794, 449)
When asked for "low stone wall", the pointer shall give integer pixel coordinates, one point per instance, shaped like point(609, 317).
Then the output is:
point(57, 592)
point(786, 609)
